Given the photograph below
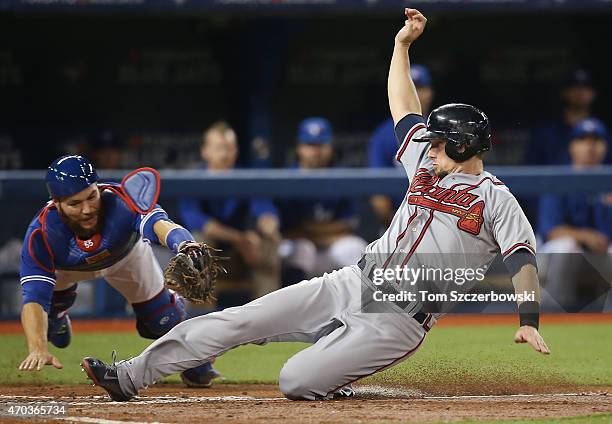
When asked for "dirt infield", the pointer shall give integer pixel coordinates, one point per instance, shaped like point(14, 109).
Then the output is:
point(264, 403)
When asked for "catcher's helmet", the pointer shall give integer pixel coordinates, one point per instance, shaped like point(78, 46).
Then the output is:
point(460, 125)
point(68, 175)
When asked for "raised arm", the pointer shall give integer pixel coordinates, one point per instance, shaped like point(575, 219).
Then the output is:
point(403, 98)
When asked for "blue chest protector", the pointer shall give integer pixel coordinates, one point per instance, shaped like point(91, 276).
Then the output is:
point(117, 238)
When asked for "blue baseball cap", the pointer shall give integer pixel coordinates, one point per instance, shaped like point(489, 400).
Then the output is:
point(420, 75)
point(578, 78)
point(590, 126)
point(315, 130)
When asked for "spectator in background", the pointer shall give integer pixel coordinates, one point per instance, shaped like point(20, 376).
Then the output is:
point(578, 228)
point(226, 222)
point(549, 142)
point(318, 231)
point(579, 222)
point(383, 145)
point(106, 150)
point(260, 157)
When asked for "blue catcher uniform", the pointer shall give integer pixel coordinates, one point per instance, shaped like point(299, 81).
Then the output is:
point(54, 259)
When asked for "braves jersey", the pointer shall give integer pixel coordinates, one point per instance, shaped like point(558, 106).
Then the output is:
point(49, 244)
point(461, 219)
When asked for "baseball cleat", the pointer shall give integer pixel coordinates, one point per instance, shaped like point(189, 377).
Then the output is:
point(60, 330)
point(105, 376)
point(344, 392)
point(201, 376)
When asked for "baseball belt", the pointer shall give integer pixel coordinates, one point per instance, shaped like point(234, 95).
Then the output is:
point(421, 317)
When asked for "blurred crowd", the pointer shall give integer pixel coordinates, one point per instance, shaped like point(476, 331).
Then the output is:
point(274, 240)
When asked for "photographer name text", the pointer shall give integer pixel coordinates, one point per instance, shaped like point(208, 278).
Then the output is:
point(453, 296)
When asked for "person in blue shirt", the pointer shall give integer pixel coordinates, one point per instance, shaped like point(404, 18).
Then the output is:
point(549, 141)
point(246, 229)
point(319, 232)
point(92, 230)
point(383, 144)
point(579, 221)
point(575, 225)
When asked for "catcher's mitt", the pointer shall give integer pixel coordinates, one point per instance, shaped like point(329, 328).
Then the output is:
point(193, 271)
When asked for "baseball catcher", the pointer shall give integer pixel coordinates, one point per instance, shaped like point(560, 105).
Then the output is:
point(92, 229)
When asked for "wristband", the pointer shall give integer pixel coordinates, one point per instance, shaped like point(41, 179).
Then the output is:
point(529, 314)
point(176, 236)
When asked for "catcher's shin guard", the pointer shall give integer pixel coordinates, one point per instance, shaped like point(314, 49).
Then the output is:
point(59, 331)
point(156, 316)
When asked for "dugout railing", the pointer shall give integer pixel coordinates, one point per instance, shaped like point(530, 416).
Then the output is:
point(522, 180)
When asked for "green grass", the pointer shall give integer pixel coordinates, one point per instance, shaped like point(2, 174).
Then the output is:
point(464, 355)
point(580, 355)
point(586, 419)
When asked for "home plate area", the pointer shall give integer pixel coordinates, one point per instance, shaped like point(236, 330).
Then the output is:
point(264, 403)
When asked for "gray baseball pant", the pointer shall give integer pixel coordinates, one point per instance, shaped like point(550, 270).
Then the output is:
point(326, 311)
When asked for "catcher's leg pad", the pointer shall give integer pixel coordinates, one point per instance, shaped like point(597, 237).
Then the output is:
point(59, 330)
point(156, 316)
point(63, 300)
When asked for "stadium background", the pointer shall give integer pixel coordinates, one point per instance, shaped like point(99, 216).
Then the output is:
point(147, 77)
point(158, 79)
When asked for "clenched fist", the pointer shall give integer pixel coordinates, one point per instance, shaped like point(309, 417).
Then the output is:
point(413, 27)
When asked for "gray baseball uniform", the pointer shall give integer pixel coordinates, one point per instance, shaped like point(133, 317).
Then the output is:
point(460, 213)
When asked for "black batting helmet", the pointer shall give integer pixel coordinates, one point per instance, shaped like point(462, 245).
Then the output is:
point(460, 125)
